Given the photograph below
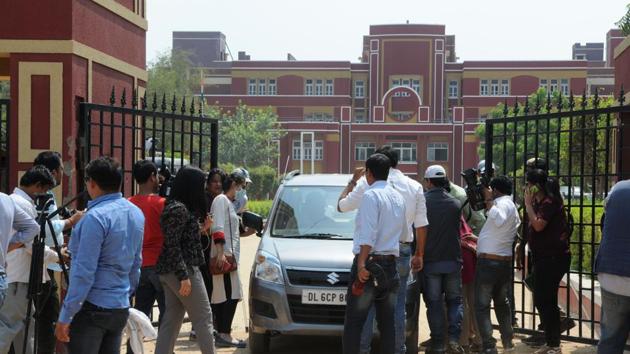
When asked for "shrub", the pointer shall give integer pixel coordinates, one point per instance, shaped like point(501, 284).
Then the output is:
point(590, 229)
point(260, 207)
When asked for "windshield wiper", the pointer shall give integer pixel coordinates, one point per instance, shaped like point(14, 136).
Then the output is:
point(315, 236)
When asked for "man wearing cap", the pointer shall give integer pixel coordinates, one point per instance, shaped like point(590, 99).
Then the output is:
point(441, 261)
point(240, 202)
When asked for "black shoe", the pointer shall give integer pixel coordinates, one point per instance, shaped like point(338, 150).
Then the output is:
point(535, 341)
point(566, 324)
point(426, 343)
point(508, 346)
point(455, 348)
point(193, 336)
point(224, 343)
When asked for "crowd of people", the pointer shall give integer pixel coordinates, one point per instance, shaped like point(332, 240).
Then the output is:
point(183, 252)
point(464, 259)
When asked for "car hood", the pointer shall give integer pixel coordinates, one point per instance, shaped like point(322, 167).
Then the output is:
point(308, 253)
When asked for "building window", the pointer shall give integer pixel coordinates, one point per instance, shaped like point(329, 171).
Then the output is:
point(483, 88)
point(564, 87)
point(415, 85)
point(543, 84)
point(406, 151)
point(330, 88)
point(272, 87)
point(505, 87)
point(553, 86)
point(437, 152)
point(309, 88)
point(580, 57)
point(319, 150)
point(359, 116)
point(363, 150)
point(494, 87)
point(453, 88)
point(319, 88)
point(252, 88)
point(359, 89)
point(262, 87)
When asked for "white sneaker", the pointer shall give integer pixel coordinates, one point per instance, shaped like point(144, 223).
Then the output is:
point(548, 350)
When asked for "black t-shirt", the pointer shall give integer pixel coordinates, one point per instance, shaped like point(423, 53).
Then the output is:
point(444, 216)
point(553, 240)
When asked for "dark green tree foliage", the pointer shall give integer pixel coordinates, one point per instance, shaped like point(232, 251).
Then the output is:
point(624, 22)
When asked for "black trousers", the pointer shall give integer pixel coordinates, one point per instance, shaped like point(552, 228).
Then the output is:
point(548, 273)
point(48, 302)
point(225, 311)
point(96, 330)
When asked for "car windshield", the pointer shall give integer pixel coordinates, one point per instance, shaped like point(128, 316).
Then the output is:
point(311, 212)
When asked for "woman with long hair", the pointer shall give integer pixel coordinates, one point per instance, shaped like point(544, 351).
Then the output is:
point(184, 219)
point(226, 288)
point(548, 238)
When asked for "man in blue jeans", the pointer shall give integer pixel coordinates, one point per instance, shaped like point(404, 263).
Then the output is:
point(105, 249)
point(494, 264)
point(374, 281)
point(439, 256)
point(612, 266)
point(415, 215)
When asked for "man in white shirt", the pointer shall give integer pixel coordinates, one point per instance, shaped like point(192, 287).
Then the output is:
point(380, 224)
point(494, 263)
point(415, 216)
point(37, 180)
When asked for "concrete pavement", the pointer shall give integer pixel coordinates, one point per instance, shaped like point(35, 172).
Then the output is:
point(306, 345)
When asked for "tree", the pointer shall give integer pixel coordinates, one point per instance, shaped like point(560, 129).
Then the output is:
point(624, 22)
point(4, 89)
point(172, 74)
point(246, 136)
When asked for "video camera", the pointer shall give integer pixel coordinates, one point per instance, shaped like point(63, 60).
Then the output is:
point(475, 184)
point(166, 181)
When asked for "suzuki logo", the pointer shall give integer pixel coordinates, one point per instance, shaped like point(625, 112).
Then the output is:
point(333, 278)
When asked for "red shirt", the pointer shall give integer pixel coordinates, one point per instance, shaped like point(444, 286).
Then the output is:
point(468, 256)
point(151, 206)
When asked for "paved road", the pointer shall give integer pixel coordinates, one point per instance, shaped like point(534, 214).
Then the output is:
point(306, 345)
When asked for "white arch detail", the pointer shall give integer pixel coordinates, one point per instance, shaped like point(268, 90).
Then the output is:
point(399, 87)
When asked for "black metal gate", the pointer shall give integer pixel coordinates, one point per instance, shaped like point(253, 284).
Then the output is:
point(172, 135)
point(580, 138)
point(4, 145)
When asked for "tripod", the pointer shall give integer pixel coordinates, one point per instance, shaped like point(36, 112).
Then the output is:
point(43, 203)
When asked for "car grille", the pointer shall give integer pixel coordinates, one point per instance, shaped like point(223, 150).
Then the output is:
point(318, 279)
point(315, 314)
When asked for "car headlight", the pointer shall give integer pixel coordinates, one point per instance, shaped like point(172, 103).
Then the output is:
point(268, 268)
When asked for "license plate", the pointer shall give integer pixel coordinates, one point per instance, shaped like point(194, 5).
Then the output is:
point(324, 297)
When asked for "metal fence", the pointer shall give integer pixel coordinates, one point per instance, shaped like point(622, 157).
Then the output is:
point(172, 133)
point(580, 140)
point(4, 145)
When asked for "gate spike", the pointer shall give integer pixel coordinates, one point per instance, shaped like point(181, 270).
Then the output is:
point(548, 105)
point(506, 110)
point(516, 107)
point(123, 98)
point(526, 108)
point(537, 106)
point(559, 105)
point(154, 104)
point(174, 104)
point(192, 106)
point(200, 106)
point(163, 106)
point(583, 104)
point(183, 109)
point(134, 98)
point(571, 101)
point(144, 100)
point(596, 100)
point(112, 98)
point(622, 96)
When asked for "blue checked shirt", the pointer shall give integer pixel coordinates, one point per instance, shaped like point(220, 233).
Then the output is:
point(106, 250)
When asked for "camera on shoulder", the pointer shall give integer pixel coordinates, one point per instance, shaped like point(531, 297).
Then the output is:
point(476, 182)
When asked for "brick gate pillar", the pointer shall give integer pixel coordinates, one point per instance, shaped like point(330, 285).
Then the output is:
point(60, 53)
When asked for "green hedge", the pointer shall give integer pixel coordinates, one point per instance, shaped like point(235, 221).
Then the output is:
point(260, 207)
point(265, 181)
point(585, 233)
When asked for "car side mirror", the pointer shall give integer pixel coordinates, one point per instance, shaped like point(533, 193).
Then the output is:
point(254, 221)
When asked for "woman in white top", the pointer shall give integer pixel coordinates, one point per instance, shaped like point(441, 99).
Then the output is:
point(226, 288)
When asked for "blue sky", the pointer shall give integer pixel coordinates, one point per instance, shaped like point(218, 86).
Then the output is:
point(333, 29)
